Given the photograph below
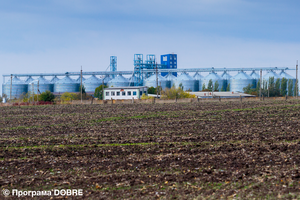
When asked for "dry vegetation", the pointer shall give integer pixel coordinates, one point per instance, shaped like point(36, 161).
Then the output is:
point(166, 151)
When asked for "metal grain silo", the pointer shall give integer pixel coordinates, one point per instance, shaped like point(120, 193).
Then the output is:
point(288, 77)
point(17, 86)
point(241, 80)
point(54, 79)
point(256, 78)
point(199, 78)
point(40, 84)
point(187, 82)
point(226, 78)
point(151, 81)
point(91, 83)
point(170, 79)
point(269, 75)
point(118, 81)
point(66, 85)
point(214, 77)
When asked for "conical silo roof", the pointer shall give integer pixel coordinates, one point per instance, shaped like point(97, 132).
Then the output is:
point(254, 75)
point(198, 76)
point(92, 79)
point(54, 79)
point(118, 81)
point(66, 79)
point(29, 79)
point(212, 76)
point(170, 77)
point(40, 80)
point(226, 76)
point(161, 81)
point(15, 80)
point(242, 75)
point(106, 79)
point(153, 78)
point(184, 76)
point(272, 74)
point(285, 75)
point(78, 79)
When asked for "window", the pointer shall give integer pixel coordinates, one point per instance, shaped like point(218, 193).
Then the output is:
point(171, 62)
point(118, 93)
point(112, 93)
point(141, 93)
point(123, 93)
point(170, 57)
point(134, 93)
point(107, 93)
point(174, 62)
point(129, 93)
point(145, 92)
point(174, 58)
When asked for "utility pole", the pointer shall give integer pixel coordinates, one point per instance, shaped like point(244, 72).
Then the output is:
point(81, 83)
point(260, 84)
point(10, 87)
point(102, 88)
point(156, 81)
point(296, 86)
point(38, 90)
point(32, 85)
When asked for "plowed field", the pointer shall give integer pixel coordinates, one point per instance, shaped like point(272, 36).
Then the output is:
point(144, 151)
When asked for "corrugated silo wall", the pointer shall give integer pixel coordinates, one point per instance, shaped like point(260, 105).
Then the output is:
point(66, 87)
point(42, 88)
point(237, 85)
point(17, 90)
point(91, 87)
point(192, 85)
point(163, 83)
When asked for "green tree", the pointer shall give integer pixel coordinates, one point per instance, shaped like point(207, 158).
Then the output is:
point(210, 85)
point(277, 88)
point(271, 87)
point(228, 87)
point(152, 90)
point(99, 92)
point(173, 93)
point(283, 91)
point(216, 86)
point(83, 89)
point(296, 89)
point(46, 96)
point(181, 86)
point(68, 96)
point(203, 87)
point(290, 87)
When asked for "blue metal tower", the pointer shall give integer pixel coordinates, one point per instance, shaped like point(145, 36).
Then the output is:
point(168, 61)
point(113, 64)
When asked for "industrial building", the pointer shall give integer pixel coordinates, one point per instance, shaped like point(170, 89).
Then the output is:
point(145, 73)
point(124, 92)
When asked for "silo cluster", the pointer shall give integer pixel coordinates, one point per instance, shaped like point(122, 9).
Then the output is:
point(226, 81)
point(66, 85)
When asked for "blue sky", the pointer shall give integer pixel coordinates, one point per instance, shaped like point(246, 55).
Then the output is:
point(62, 35)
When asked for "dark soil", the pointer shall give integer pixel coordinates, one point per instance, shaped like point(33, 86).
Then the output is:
point(144, 151)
